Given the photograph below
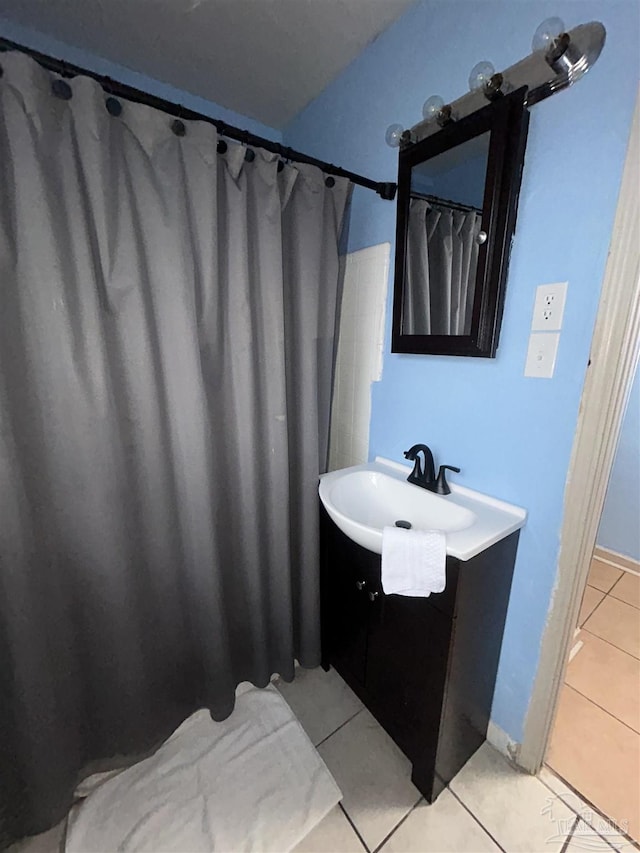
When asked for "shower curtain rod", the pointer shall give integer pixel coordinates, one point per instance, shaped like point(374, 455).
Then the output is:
point(385, 189)
point(444, 202)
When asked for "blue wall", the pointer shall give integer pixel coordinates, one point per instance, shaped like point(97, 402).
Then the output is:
point(511, 435)
point(76, 56)
point(620, 522)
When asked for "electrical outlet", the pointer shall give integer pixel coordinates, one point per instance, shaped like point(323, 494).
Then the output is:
point(548, 309)
point(541, 354)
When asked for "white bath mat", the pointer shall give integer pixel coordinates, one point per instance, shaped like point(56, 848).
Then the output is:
point(253, 782)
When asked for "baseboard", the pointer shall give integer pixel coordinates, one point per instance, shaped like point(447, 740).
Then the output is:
point(619, 561)
point(501, 741)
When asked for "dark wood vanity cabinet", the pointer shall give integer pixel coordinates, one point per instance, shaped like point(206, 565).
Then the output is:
point(424, 667)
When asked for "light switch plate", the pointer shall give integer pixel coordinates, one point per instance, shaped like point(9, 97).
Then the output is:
point(541, 355)
point(548, 309)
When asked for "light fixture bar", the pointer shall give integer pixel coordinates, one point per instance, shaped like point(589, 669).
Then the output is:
point(544, 72)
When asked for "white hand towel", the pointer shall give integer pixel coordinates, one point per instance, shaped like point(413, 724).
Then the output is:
point(413, 561)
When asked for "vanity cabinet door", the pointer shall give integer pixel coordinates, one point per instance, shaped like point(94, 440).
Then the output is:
point(348, 577)
point(407, 660)
point(347, 625)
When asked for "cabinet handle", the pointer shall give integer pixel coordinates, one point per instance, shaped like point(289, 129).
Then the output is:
point(373, 596)
point(361, 584)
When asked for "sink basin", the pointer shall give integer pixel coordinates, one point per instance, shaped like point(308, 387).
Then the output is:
point(364, 499)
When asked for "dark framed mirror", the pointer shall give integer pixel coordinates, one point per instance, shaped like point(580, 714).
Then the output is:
point(457, 201)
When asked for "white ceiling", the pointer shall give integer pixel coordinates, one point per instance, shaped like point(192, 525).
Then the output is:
point(266, 59)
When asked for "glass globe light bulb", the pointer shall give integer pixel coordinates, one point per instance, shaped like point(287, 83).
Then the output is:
point(394, 135)
point(480, 74)
point(548, 30)
point(432, 107)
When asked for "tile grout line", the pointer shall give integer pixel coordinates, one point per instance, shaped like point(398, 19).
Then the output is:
point(477, 820)
point(398, 825)
point(567, 840)
point(631, 655)
point(353, 826)
point(604, 595)
point(616, 584)
point(586, 802)
point(613, 716)
point(606, 591)
point(604, 598)
point(342, 725)
point(623, 601)
point(572, 790)
point(620, 579)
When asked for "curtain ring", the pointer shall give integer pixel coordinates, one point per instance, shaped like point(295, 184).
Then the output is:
point(280, 165)
point(329, 182)
point(114, 107)
point(249, 155)
point(222, 146)
point(1, 70)
point(61, 89)
point(178, 127)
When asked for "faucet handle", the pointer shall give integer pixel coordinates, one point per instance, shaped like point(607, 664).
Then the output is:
point(442, 487)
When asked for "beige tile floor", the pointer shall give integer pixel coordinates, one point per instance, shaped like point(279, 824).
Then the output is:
point(489, 807)
point(595, 745)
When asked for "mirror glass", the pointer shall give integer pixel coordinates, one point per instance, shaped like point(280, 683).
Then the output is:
point(444, 234)
point(457, 201)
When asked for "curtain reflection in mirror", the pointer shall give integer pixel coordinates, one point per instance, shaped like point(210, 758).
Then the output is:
point(442, 259)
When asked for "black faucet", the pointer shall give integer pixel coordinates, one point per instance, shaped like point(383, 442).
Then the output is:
point(419, 476)
point(426, 478)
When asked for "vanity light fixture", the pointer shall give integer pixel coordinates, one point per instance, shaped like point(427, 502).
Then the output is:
point(480, 75)
point(393, 136)
point(570, 54)
point(559, 59)
point(396, 136)
point(483, 78)
point(492, 89)
point(432, 107)
point(546, 32)
point(445, 116)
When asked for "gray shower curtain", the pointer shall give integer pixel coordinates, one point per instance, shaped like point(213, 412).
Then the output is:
point(167, 317)
point(442, 259)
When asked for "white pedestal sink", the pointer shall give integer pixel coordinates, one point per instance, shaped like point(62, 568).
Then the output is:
point(364, 499)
